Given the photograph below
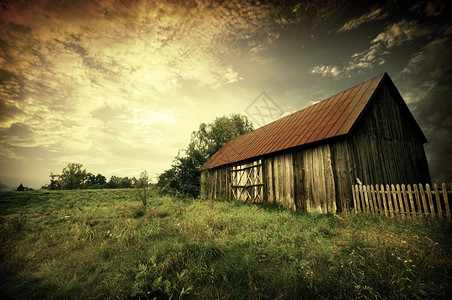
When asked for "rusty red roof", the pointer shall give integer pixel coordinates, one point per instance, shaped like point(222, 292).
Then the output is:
point(329, 118)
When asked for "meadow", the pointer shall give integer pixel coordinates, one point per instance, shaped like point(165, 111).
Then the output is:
point(104, 244)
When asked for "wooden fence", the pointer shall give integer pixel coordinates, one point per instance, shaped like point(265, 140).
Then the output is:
point(408, 201)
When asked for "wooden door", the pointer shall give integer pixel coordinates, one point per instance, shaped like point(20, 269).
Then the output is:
point(247, 183)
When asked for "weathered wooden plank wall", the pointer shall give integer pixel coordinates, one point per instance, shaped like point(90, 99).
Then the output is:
point(216, 183)
point(385, 147)
point(279, 179)
point(314, 180)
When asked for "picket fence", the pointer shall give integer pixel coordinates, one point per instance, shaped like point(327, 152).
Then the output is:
point(407, 201)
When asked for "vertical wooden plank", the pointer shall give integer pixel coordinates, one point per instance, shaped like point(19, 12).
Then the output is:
point(399, 196)
point(358, 200)
point(308, 181)
point(424, 202)
point(363, 201)
point(389, 197)
point(394, 199)
point(320, 182)
point(374, 201)
point(283, 192)
point(271, 180)
point(438, 201)
point(430, 200)
point(290, 181)
point(372, 193)
point(368, 203)
point(373, 207)
point(220, 182)
point(380, 204)
point(296, 177)
point(405, 201)
point(215, 185)
point(277, 173)
point(383, 198)
point(413, 207)
point(354, 199)
point(418, 201)
point(446, 201)
point(330, 184)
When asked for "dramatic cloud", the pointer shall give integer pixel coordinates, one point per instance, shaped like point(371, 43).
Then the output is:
point(393, 35)
point(66, 61)
point(398, 34)
point(119, 85)
point(375, 14)
point(326, 71)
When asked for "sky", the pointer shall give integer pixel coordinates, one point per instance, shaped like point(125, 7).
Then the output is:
point(119, 86)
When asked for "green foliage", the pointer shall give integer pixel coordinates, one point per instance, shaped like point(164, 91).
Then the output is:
point(99, 244)
point(142, 188)
point(22, 188)
point(72, 176)
point(95, 181)
point(183, 179)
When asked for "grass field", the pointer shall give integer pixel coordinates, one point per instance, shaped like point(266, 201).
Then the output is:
point(97, 244)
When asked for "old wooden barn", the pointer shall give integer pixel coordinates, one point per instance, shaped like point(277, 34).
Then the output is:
point(309, 160)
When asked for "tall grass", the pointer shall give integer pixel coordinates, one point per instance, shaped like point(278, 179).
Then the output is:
point(105, 244)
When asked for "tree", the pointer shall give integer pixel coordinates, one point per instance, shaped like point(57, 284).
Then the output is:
point(101, 180)
point(209, 138)
point(54, 182)
point(141, 186)
point(183, 177)
point(72, 177)
point(114, 182)
point(20, 188)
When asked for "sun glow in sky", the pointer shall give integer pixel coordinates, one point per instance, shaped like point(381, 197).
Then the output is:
point(119, 85)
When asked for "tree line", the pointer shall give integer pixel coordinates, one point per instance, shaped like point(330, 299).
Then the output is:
point(182, 179)
point(73, 176)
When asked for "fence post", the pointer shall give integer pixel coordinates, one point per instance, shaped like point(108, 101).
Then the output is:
point(363, 203)
point(418, 201)
point(394, 198)
point(399, 196)
point(369, 205)
point(354, 199)
point(388, 192)
point(413, 208)
point(424, 202)
point(438, 201)
point(372, 193)
point(381, 198)
point(430, 201)
point(405, 201)
point(446, 201)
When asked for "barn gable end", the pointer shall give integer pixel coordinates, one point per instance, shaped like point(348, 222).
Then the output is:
point(309, 160)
